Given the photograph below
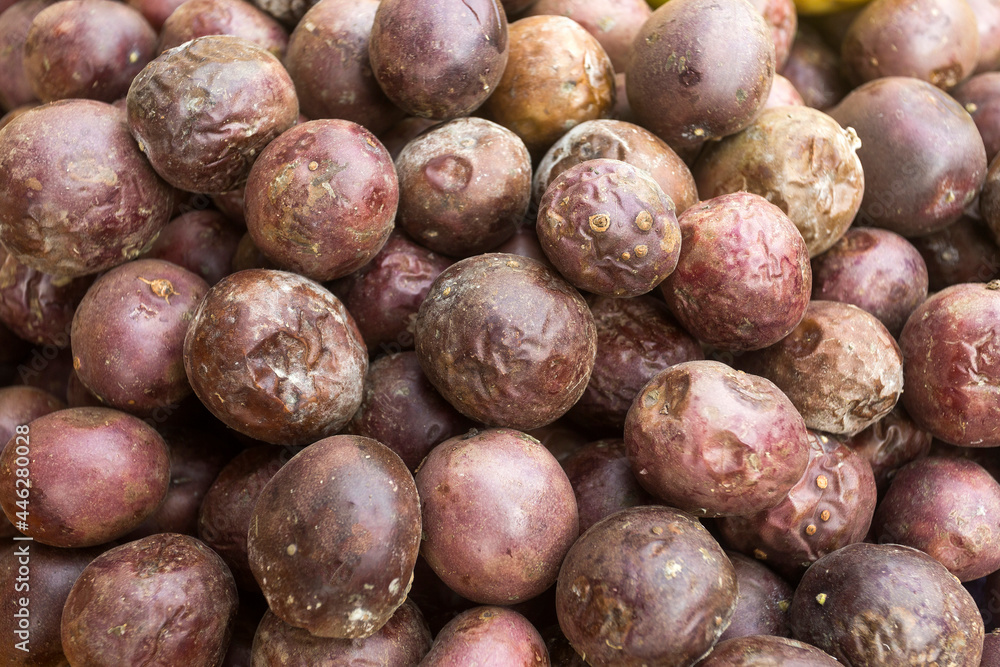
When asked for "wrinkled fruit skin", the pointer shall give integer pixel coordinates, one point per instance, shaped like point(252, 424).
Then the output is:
point(647, 585)
point(714, 441)
point(743, 280)
point(951, 345)
point(164, 599)
point(609, 228)
point(840, 366)
point(766, 651)
point(830, 506)
point(887, 604)
point(797, 158)
point(276, 357)
point(203, 112)
point(506, 340)
point(334, 537)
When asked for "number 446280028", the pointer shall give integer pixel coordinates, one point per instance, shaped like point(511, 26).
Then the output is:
point(22, 481)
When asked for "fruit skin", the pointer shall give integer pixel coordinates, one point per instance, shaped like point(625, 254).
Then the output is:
point(322, 198)
point(498, 514)
point(58, 159)
point(951, 345)
point(840, 366)
point(947, 508)
point(164, 599)
point(334, 537)
point(96, 473)
point(203, 111)
point(743, 280)
point(622, 245)
point(276, 357)
point(506, 340)
point(766, 651)
point(440, 60)
point(714, 441)
point(685, 59)
point(886, 604)
point(923, 167)
point(403, 640)
point(487, 635)
point(645, 586)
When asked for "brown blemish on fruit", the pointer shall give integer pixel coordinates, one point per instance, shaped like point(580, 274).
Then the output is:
point(821, 598)
point(811, 529)
point(641, 250)
point(313, 166)
point(759, 555)
point(644, 221)
point(161, 287)
point(824, 515)
point(600, 222)
point(822, 482)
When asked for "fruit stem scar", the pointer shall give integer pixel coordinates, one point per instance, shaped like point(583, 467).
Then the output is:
point(161, 287)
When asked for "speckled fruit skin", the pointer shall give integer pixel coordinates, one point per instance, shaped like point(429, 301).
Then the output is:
point(224, 515)
point(403, 411)
point(204, 111)
point(830, 506)
point(334, 537)
point(609, 228)
point(276, 356)
point(199, 18)
point(165, 599)
point(51, 574)
point(889, 444)
point(37, 306)
point(403, 640)
point(545, 91)
point(685, 59)
point(77, 196)
point(743, 279)
point(636, 339)
point(328, 61)
point(933, 40)
point(876, 270)
point(86, 49)
point(321, 198)
point(947, 508)
point(814, 68)
point(766, 651)
point(456, 55)
point(799, 159)
point(385, 294)
point(506, 340)
point(764, 599)
point(923, 167)
point(96, 473)
point(783, 22)
point(482, 635)
point(602, 481)
point(645, 586)
point(952, 353)
point(128, 334)
point(618, 140)
point(499, 515)
point(840, 366)
point(714, 441)
point(464, 185)
point(887, 604)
